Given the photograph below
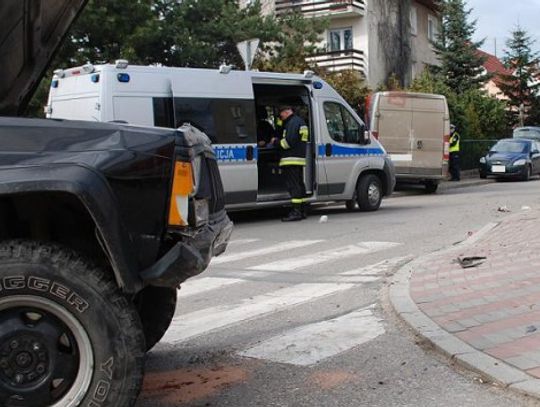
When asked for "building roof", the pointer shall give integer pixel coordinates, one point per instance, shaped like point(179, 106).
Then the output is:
point(492, 64)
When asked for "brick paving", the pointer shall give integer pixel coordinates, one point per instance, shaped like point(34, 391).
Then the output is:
point(495, 306)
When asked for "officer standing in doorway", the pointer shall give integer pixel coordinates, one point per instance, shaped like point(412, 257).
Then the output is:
point(292, 146)
point(454, 154)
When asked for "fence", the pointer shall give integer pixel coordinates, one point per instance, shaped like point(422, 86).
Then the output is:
point(471, 151)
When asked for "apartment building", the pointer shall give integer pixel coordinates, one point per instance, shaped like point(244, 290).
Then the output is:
point(377, 38)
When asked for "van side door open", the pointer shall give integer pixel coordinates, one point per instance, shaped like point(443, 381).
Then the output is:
point(228, 118)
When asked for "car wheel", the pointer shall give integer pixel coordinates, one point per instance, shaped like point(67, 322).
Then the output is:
point(483, 175)
point(68, 336)
point(527, 173)
point(156, 307)
point(369, 193)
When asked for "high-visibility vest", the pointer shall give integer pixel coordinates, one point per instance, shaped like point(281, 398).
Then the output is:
point(454, 143)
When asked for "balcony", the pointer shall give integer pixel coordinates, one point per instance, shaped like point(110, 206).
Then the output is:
point(340, 60)
point(319, 8)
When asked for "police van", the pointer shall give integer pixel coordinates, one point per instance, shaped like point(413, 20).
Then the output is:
point(343, 162)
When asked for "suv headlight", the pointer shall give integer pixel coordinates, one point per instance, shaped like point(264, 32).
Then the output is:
point(521, 161)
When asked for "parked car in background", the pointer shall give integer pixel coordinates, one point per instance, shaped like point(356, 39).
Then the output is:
point(532, 133)
point(512, 158)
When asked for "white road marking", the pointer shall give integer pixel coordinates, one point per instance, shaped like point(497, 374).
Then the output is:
point(242, 241)
point(280, 247)
point(201, 322)
point(312, 343)
point(325, 256)
point(378, 268)
point(200, 285)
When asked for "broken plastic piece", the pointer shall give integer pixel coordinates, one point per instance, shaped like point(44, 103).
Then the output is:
point(468, 262)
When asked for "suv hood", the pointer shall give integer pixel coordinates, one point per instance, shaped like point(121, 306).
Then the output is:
point(30, 33)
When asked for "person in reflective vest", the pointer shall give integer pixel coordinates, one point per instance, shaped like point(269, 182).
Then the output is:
point(292, 146)
point(454, 154)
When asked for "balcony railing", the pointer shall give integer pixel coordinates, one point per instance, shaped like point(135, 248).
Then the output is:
point(340, 60)
point(315, 8)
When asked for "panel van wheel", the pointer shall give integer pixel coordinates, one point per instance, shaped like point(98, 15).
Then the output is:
point(68, 336)
point(156, 307)
point(483, 175)
point(369, 193)
point(431, 187)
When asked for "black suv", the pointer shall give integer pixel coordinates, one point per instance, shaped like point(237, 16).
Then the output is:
point(99, 225)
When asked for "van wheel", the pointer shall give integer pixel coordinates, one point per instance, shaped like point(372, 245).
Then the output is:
point(156, 307)
point(68, 335)
point(431, 187)
point(369, 193)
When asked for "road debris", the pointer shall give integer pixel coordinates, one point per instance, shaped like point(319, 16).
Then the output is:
point(323, 219)
point(531, 329)
point(504, 209)
point(473, 261)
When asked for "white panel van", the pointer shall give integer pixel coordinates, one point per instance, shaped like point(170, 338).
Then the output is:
point(344, 163)
point(415, 129)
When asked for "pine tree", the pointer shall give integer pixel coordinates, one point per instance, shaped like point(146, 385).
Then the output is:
point(522, 84)
point(461, 66)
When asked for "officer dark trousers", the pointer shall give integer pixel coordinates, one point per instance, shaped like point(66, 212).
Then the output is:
point(454, 166)
point(294, 181)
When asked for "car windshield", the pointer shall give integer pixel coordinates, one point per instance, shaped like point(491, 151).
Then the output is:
point(510, 147)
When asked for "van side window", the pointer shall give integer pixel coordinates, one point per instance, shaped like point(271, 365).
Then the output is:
point(225, 121)
point(342, 126)
point(163, 112)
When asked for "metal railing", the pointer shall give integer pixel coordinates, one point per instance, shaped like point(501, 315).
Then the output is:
point(321, 7)
point(471, 151)
point(340, 60)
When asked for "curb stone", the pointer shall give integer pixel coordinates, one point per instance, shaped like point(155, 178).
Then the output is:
point(444, 342)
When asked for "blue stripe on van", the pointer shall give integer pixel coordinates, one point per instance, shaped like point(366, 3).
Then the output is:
point(341, 151)
point(233, 153)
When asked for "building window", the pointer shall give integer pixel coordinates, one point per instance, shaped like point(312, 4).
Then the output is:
point(414, 21)
point(433, 29)
point(341, 39)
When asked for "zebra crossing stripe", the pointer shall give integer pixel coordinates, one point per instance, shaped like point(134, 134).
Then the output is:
point(201, 322)
point(200, 285)
point(312, 343)
point(325, 256)
point(280, 247)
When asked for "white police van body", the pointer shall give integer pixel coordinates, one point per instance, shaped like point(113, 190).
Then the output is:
point(344, 163)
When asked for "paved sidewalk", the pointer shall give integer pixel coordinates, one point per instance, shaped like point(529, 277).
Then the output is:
point(485, 317)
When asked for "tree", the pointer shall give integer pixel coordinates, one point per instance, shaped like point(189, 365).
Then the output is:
point(461, 67)
point(297, 39)
point(351, 86)
point(522, 84)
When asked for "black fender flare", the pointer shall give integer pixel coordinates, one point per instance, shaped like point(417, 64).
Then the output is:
point(93, 191)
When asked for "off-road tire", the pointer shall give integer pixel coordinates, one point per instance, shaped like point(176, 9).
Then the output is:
point(431, 187)
point(156, 307)
point(369, 193)
point(58, 310)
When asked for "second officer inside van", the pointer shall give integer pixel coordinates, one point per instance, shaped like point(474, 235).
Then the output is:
point(292, 146)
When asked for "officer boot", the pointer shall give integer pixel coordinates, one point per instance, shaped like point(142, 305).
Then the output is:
point(304, 210)
point(294, 215)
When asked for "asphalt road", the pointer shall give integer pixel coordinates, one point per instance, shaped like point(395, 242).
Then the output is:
point(296, 314)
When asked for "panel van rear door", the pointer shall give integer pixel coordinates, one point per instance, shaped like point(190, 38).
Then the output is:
point(395, 129)
point(428, 124)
